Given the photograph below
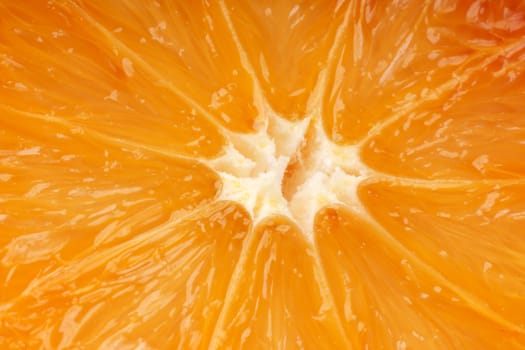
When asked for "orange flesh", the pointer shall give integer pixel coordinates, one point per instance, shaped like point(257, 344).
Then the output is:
point(259, 174)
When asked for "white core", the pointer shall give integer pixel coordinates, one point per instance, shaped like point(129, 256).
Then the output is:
point(253, 170)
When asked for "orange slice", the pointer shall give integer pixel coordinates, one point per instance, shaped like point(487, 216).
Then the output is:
point(262, 175)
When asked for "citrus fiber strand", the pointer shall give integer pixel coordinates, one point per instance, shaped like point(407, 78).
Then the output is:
point(315, 100)
point(147, 67)
point(112, 140)
point(472, 301)
point(441, 90)
point(245, 61)
point(405, 42)
point(233, 285)
point(327, 293)
point(439, 183)
point(515, 175)
point(333, 54)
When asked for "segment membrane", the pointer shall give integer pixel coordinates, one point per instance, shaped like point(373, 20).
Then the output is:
point(278, 302)
point(163, 288)
point(387, 301)
point(471, 234)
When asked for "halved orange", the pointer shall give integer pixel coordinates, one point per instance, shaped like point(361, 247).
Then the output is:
point(262, 174)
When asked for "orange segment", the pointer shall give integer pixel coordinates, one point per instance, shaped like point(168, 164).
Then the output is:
point(293, 42)
point(181, 53)
point(66, 193)
point(278, 301)
point(387, 302)
point(397, 55)
point(109, 93)
point(471, 234)
point(147, 292)
point(468, 134)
